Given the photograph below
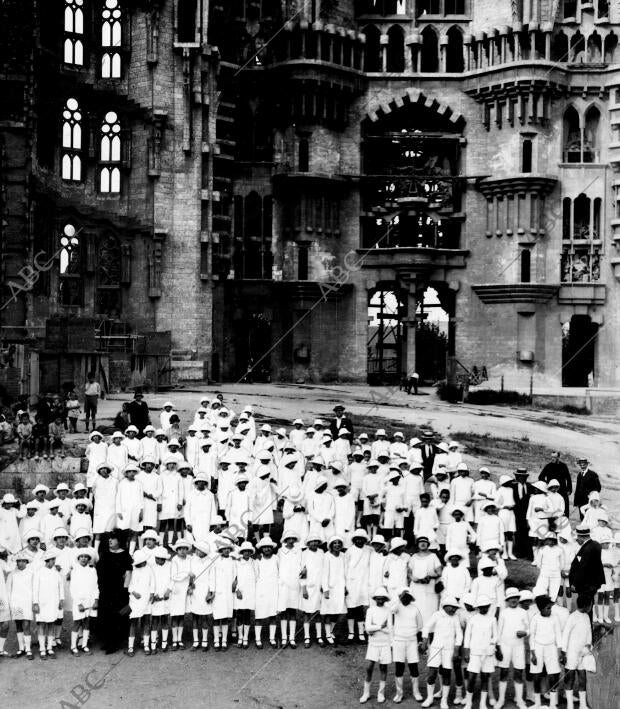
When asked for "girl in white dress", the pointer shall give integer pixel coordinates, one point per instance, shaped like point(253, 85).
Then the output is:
point(238, 508)
point(424, 571)
point(506, 505)
point(152, 489)
point(311, 576)
point(117, 454)
point(245, 593)
point(81, 519)
point(357, 567)
point(181, 577)
point(48, 594)
point(200, 509)
point(376, 564)
point(483, 490)
point(333, 585)
point(141, 592)
point(262, 497)
point(105, 489)
point(162, 590)
point(19, 591)
point(133, 445)
point(321, 510)
point(96, 452)
point(149, 445)
point(266, 591)
point(130, 505)
point(171, 500)
point(84, 599)
point(201, 568)
point(223, 590)
point(294, 512)
point(395, 568)
point(186, 472)
point(5, 611)
point(192, 445)
point(461, 491)
point(289, 589)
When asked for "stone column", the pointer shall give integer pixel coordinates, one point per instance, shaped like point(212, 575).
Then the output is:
point(409, 355)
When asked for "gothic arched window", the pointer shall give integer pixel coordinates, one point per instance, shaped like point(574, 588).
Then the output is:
point(108, 276)
point(71, 141)
point(71, 283)
point(110, 156)
point(74, 32)
point(111, 37)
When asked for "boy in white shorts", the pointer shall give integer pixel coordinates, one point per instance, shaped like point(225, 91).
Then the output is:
point(545, 643)
point(379, 630)
point(407, 635)
point(576, 648)
point(479, 650)
point(512, 629)
point(445, 627)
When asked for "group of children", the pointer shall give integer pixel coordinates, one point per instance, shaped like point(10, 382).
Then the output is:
point(472, 637)
point(199, 511)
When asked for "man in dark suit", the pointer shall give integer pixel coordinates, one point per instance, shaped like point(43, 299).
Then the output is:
point(556, 469)
point(428, 450)
point(586, 573)
point(341, 421)
point(522, 491)
point(587, 481)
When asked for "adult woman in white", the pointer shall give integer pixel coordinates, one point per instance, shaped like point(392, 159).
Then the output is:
point(424, 571)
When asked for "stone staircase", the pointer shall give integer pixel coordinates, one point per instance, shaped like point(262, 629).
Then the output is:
point(20, 477)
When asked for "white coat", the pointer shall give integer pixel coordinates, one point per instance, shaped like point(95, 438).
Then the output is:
point(171, 495)
point(129, 505)
point(357, 568)
point(180, 573)
point(333, 580)
point(267, 579)
point(84, 591)
point(289, 568)
point(246, 584)
point(48, 590)
point(224, 574)
point(312, 565)
point(199, 511)
point(151, 485)
point(105, 491)
point(202, 571)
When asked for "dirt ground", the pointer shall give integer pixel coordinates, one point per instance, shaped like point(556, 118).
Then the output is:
point(308, 679)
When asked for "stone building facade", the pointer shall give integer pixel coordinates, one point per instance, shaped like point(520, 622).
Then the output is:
point(280, 184)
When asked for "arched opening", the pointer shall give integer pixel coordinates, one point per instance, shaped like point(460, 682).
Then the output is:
point(455, 61)
point(595, 49)
point(74, 32)
point(71, 162)
point(579, 351)
point(578, 48)
point(526, 266)
point(430, 51)
point(572, 136)
point(70, 276)
point(591, 135)
point(110, 154)
point(386, 314)
point(611, 45)
point(108, 298)
point(559, 48)
point(433, 329)
point(372, 50)
point(581, 217)
point(526, 155)
point(111, 39)
point(567, 204)
point(396, 49)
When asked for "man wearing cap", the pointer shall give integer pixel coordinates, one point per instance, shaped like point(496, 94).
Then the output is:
point(522, 492)
point(139, 412)
point(587, 481)
point(340, 421)
point(587, 573)
point(556, 469)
